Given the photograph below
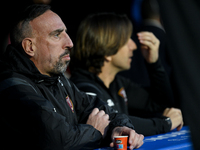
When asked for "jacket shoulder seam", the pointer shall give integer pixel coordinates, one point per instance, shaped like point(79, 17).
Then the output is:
point(12, 82)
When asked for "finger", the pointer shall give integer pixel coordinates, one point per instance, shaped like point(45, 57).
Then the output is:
point(141, 142)
point(117, 131)
point(150, 41)
point(116, 134)
point(180, 112)
point(101, 113)
point(106, 116)
point(180, 126)
point(145, 33)
point(166, 111)
point(135, 141)
point(153, 41)
point(144, 47)
point(174, 111)
point(94, 111)
point(147, 43)
point(148, 36)
point(105, 119)
point(138, 141)
point(112, 144)
point(108, 122)
point(131, 139)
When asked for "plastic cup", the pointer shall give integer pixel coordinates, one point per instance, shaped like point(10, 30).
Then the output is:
point(120, 142)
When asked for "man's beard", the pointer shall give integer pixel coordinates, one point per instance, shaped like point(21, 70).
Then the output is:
point(60, 66)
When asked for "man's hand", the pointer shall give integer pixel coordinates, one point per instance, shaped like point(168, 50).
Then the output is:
point(176, 117)
point(135, 140)
point(99, 120)
point(149, 46)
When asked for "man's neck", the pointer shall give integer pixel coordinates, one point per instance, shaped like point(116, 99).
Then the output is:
point(107, 75)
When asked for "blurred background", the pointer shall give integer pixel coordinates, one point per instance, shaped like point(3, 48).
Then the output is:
point(179, 33)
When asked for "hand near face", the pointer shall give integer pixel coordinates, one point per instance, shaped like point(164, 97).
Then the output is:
point(149, 46)
point(135, 140)
point(176, 117)
point(99, 120)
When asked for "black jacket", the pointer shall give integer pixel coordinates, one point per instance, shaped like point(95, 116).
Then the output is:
point(127, 97)
point(42, 112)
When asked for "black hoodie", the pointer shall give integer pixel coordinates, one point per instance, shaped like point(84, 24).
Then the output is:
point(143, 105)
point(42, 112)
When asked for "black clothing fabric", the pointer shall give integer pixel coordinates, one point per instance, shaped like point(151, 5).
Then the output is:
point(127, 97)
point(138, 72)
point(181, 23)
point(42, 112)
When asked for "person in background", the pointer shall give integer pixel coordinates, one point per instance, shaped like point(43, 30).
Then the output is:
point(151, 22)
point(41, 108)
point(104, 48)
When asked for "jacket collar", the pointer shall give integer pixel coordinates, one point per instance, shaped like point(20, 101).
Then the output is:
point(18, 62)
point(81, 75)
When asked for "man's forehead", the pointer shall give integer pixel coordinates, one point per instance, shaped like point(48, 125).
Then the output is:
point(47, 21)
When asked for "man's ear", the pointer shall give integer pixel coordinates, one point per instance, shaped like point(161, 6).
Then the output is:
point(28, 47)
point(108, 58)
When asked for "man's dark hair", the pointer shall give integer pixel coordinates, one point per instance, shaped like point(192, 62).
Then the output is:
point(21, 28)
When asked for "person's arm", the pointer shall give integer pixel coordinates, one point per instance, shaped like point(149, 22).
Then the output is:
point(151, 126)
point(145, 126)
point(156, 97)
point(160, 88)
point(86, 103)
point(175, 116)
point(143, 101)
point(119, 125)
point(159, 95)
point(160, 84)
point(34, 119)
point(92, 106)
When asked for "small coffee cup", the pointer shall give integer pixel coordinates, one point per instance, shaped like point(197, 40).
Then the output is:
point(120, 142)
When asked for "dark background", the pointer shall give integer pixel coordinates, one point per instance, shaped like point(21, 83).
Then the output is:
point(181, 20)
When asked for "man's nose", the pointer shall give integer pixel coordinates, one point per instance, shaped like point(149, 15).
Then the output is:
point(132, 45)
point(68, 41)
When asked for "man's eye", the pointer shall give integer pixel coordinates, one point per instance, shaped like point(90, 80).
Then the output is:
point(57, 35)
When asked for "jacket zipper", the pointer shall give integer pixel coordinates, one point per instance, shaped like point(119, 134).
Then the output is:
point(61, 83)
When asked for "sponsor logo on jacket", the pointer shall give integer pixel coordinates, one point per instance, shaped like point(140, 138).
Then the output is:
point(69, 102)
point(122, 93)
point(111, 104)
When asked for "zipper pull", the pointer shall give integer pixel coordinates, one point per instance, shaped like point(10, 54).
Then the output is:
point(40, 81)
point(60, 81)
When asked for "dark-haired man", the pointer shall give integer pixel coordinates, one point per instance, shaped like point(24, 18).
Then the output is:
point(41, 108)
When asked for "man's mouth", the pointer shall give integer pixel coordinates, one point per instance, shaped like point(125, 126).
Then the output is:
point(130, 57)
point(66, 55)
